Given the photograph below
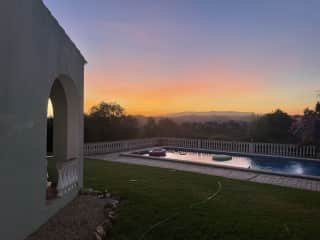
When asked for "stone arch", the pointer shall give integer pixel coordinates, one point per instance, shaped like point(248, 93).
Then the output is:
point(66, 104)
point(67, 126)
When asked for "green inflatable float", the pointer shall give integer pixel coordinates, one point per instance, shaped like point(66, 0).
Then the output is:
point(221, 157)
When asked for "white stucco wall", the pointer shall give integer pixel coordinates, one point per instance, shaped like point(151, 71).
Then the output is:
point(34, 52)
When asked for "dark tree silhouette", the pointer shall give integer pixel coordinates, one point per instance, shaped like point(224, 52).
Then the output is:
point(150, 128)
point(107, 110)
point(108, 122)
point(272, 127)
point(307, 128)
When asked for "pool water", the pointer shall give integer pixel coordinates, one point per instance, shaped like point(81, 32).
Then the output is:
point(265, 163)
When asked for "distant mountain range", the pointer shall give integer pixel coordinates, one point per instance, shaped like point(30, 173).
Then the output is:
point(220, 116)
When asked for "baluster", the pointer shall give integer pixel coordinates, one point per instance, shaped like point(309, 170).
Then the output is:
point(270, 149)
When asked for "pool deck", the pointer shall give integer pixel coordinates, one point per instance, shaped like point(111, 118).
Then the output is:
point(285, 181)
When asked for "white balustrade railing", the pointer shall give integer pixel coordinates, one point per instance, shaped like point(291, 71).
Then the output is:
point(68, 173)
point(290, 150)
point(109, 147)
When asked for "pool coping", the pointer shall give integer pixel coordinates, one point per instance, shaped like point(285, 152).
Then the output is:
point(309, 177)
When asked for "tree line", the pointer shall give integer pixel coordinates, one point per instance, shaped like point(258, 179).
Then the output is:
point(108, 122)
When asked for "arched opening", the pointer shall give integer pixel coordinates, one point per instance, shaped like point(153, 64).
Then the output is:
point(63, 139)
point(56, 136)
point(52, 172)
point(50, 117)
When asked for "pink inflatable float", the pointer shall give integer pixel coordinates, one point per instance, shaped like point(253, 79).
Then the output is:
point(160, 152)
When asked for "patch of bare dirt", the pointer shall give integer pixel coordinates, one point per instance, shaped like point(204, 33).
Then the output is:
point(89, 217)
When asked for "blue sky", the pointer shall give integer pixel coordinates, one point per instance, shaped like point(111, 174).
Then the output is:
point(197, 55)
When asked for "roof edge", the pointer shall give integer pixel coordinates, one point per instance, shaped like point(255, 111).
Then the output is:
point(63, 31)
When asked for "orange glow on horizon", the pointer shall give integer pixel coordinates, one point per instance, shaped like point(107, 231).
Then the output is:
point(202, 89)
point(171, 57)
point(158, 111)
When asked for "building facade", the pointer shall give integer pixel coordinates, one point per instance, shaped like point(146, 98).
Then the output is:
point(38, 61)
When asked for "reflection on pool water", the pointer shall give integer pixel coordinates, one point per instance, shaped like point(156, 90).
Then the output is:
point(266, 163)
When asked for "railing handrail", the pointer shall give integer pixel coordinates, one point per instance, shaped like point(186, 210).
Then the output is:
point(281, 149)
point(119, 141)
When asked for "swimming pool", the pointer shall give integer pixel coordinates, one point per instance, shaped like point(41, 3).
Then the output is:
point(274, 164)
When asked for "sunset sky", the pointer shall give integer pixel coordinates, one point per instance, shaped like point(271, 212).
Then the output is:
point(165, 56)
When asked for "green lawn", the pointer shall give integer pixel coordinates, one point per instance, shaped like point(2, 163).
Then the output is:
point(241, 210)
